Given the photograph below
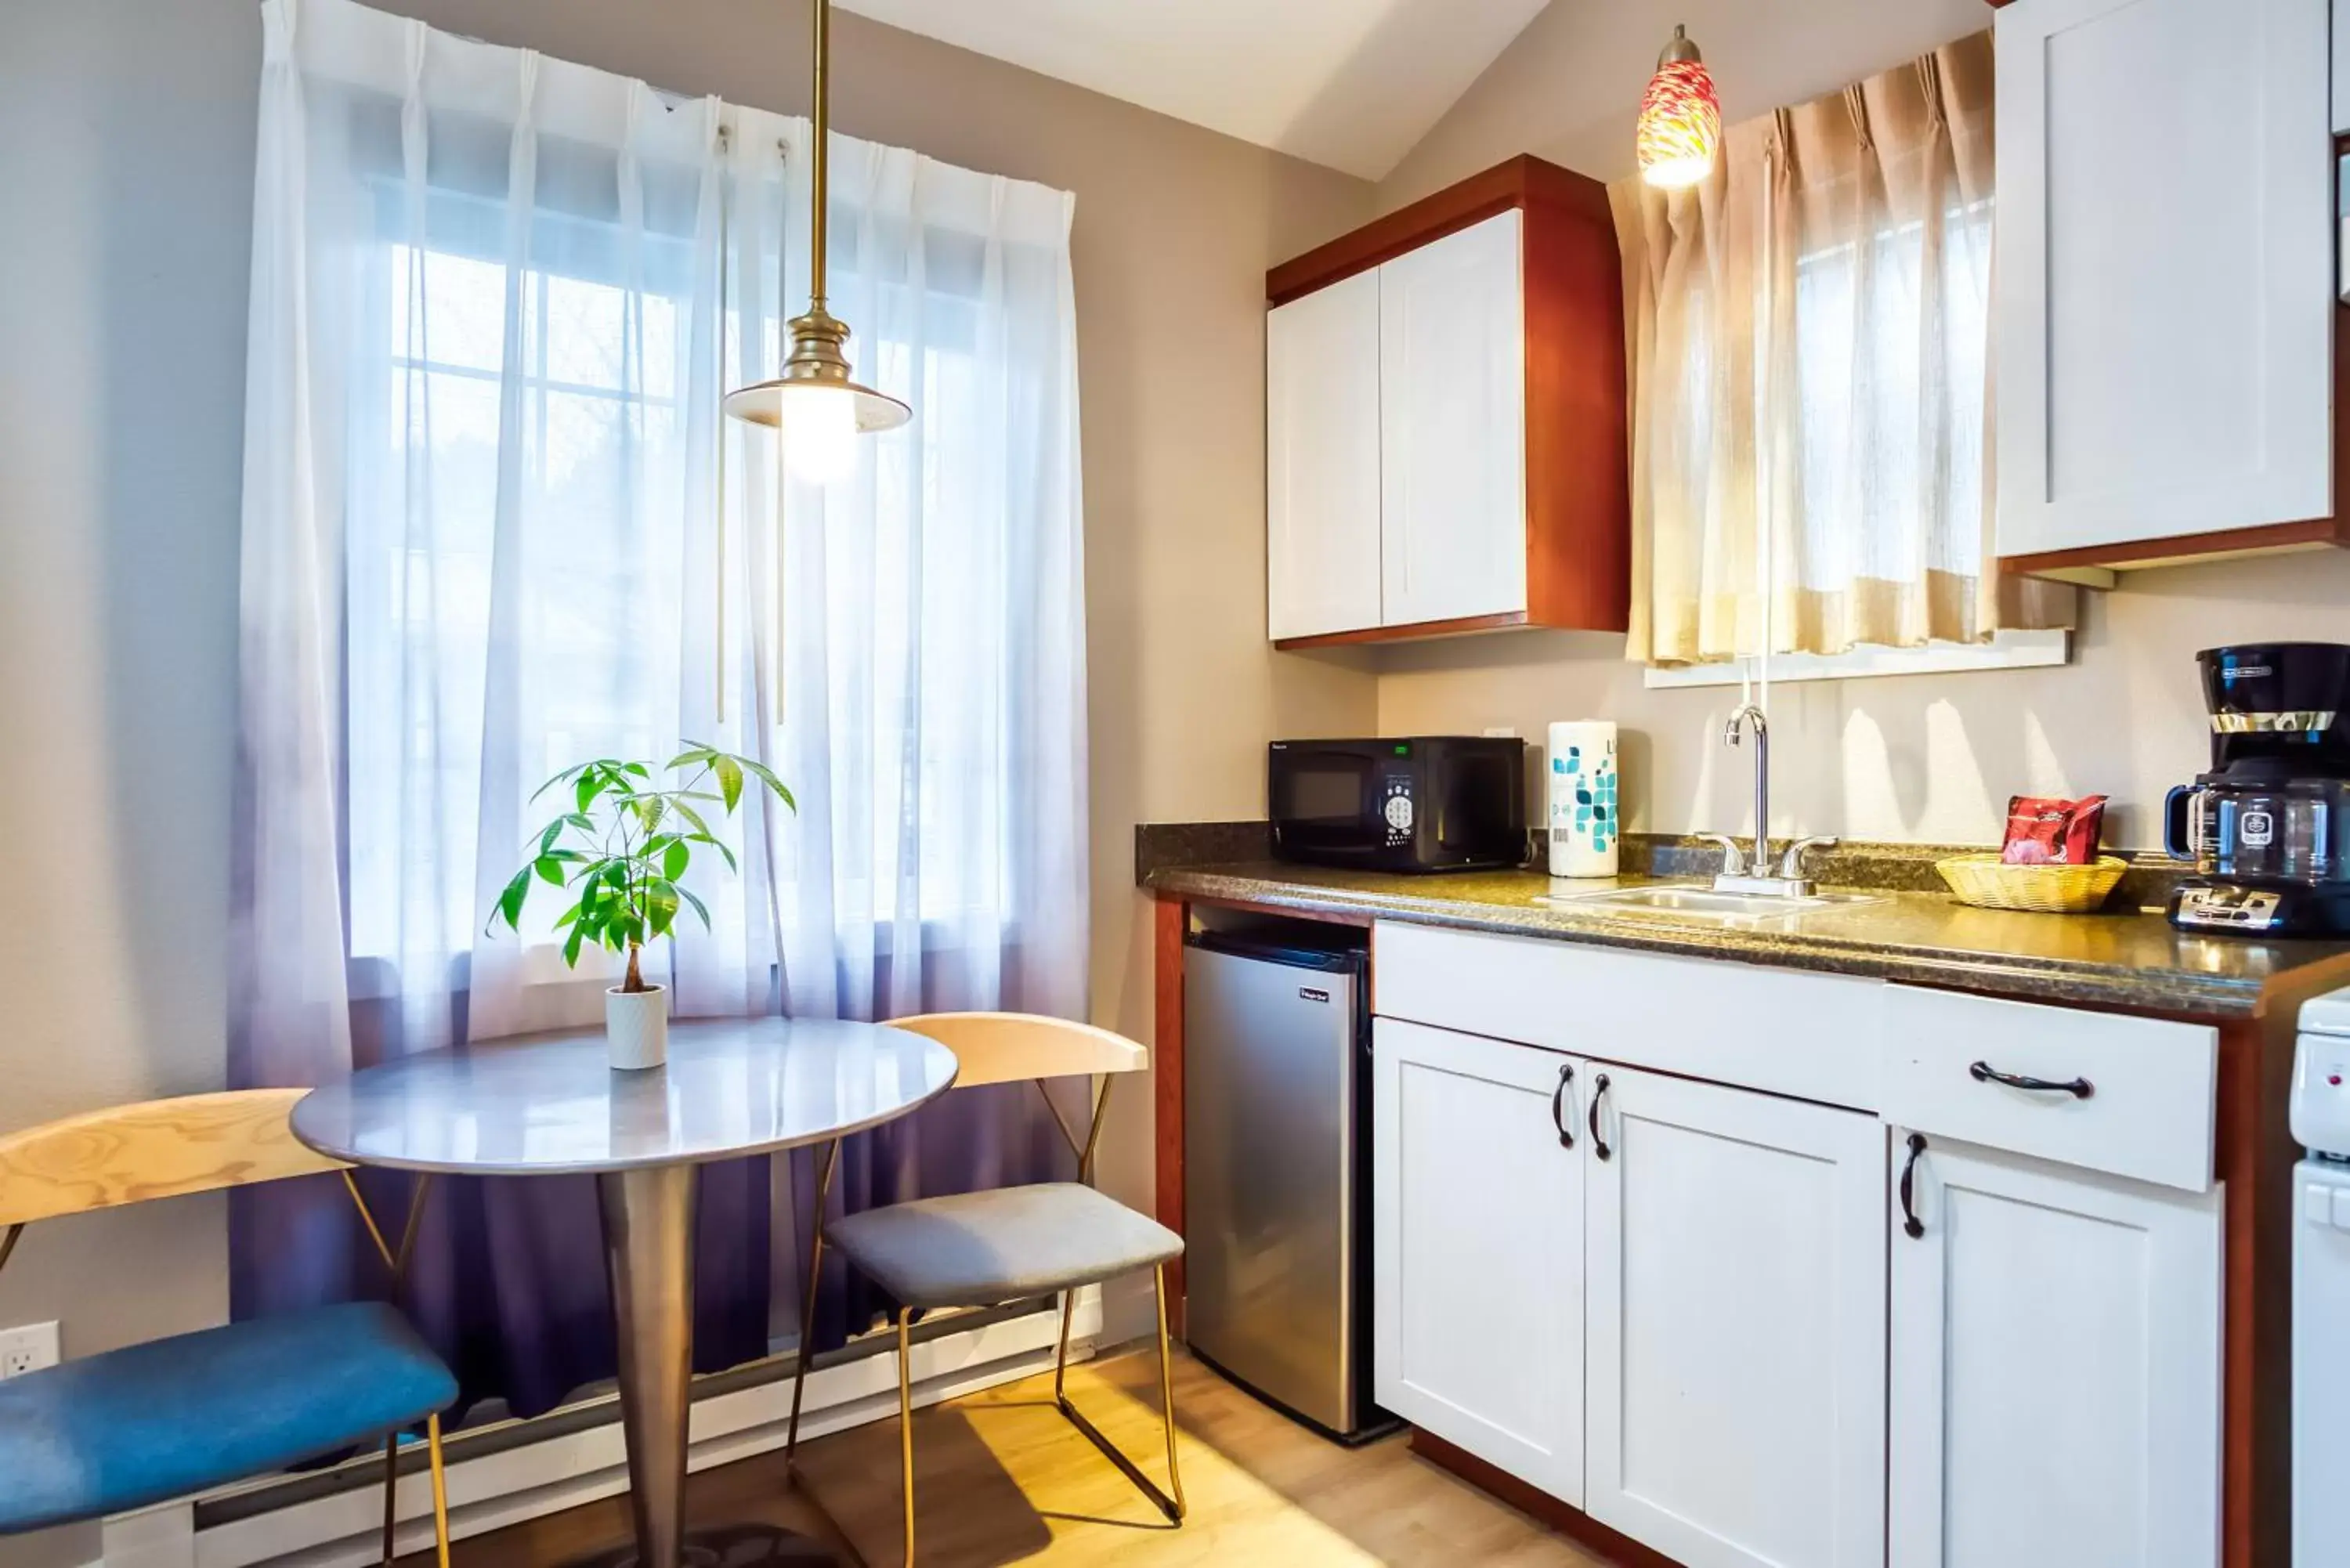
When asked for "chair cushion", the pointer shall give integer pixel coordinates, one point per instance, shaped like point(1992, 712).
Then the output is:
point(155, 1421)
point(980, 1249)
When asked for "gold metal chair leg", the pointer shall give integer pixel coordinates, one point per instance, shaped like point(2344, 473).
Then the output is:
point(1172, 1507)
point(906, 1422)
point(390, 1493)
point(807, 1299)
point(1167, 1391)
point(1061, 1362)
point(439, 1490)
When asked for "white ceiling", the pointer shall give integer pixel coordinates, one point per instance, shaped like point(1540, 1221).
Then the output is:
point(1352, 84)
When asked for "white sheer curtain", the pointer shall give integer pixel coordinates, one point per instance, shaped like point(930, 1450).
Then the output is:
point(495, 524)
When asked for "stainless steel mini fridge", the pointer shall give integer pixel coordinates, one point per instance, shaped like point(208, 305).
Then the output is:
point(1276, 1173)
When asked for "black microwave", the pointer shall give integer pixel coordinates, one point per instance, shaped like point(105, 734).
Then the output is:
point(1418, 803)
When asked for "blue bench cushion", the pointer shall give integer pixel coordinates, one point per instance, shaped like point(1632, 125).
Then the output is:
point(155, 1421)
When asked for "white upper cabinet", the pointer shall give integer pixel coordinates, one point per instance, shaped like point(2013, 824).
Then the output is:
point(1322, 460)
point(1477, 1248)
point(1452, 418)
point(2165, 253)
point(1736, 1324)
point(2056, 1367)
point(1445, 419)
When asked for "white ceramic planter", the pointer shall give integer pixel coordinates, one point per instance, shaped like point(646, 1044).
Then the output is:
point(636, 1027)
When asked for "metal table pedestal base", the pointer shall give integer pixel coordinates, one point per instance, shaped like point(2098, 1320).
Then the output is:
point(648, 1251)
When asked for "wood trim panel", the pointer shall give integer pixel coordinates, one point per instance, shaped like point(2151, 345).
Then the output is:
point(1578, 432)
point(2255, 1158)
point(1510, 621)
point(2314, 534)
point(1569, 1521)
point(1522, 181)
point(1171, 924)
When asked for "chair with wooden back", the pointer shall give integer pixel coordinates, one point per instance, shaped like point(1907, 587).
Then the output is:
point(147, 1423)
point(1011, 1244)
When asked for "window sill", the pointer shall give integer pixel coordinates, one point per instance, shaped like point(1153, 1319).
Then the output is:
point(2008, 650)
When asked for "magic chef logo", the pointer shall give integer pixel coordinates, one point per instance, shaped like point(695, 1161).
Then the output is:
point(2246, 673)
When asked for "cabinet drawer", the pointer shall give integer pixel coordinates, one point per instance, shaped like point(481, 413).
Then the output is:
point(1810, 1036)
point(2153, 1084)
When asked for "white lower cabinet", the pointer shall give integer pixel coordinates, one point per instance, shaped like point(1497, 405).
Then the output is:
point(1477, 1248)
point(2054, 1366)
point(1734, 1279)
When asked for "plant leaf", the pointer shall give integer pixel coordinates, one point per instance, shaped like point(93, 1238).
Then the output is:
point(674, 859)
point(718, 846)
point(692, 816)
point(568, 917)
point(510, 901)
point(549, 869)
point(591, 784)
point(698, 907)
point(730, 780)
point(571, 946)
point(767, 775)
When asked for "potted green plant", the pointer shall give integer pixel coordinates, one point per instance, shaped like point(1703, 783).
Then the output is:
point(621, 853)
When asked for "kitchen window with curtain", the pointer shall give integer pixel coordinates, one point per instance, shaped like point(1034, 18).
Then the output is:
point(1810, 335)
point(496, 524)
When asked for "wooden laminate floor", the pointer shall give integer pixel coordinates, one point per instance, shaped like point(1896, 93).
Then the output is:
point(1003, 1479)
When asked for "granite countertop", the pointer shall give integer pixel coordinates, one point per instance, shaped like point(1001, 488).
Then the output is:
point(2130, 958)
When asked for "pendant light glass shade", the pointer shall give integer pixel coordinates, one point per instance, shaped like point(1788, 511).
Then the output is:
point(814, 402)
point(1680, 119)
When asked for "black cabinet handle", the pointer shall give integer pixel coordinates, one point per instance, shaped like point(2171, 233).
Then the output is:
point(1984, 1073)
point(1598, 1093)
point(1910, 1224)
point(1558, 1105)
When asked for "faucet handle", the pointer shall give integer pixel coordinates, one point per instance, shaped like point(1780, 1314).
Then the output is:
point(1733, 856)
point(1790, 864)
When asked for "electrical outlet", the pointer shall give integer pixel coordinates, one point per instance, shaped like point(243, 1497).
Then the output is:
point(27, 1349)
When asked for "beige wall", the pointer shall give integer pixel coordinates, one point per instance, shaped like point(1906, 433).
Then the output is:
point(1912, 758)
point(126, 169)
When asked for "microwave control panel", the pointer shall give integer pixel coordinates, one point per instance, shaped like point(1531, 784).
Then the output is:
point(1398, 809)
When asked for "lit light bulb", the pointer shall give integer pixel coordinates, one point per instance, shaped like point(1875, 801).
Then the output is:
point(819, 431)
point(1680, 129)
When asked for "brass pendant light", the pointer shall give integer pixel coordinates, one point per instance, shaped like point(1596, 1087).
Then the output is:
point(818, 409)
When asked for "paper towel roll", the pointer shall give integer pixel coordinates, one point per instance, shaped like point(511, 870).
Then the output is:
point(1586, 826)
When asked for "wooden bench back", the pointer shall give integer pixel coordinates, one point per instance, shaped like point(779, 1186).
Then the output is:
point(157, 1148)
point(1005, 1047)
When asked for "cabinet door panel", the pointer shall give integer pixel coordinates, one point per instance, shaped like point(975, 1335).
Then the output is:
point(1477, 1243)
point(1736, 1324)
point(1322, 461)
point(2055, 1369)
point(1453, 415)
point(2164, 305)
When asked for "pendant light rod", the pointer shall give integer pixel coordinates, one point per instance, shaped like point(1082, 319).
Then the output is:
point(820, 219)
point(831, 407)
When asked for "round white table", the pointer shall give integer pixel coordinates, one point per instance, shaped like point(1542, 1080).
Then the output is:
point(548, 1104)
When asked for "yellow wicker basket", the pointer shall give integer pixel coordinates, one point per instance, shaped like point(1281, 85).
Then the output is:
point(1990, 882)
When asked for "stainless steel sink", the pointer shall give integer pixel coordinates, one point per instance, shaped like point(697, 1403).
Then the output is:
point(1669, 901)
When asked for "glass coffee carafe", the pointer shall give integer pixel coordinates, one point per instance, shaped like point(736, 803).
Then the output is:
point(2270, 833)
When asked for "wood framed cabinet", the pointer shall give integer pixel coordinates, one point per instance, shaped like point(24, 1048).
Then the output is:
point(1446, 419)
point(2054, 1365)
point(1735, 1325)
point(2165, 309)
point(1477, 1248)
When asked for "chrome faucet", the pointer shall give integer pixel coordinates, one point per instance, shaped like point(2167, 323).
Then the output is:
point(1740, 874)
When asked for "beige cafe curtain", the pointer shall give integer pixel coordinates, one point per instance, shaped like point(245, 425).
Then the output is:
point(1810, 334)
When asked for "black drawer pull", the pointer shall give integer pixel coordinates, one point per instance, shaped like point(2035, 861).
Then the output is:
point(1984, 1073)
point(1911, 1225)
point(1598, 1093)
point(1558, 1106)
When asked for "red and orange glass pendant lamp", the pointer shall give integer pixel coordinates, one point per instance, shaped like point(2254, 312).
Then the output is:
point(1680, 119)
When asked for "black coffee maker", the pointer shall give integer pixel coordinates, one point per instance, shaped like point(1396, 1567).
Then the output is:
point(2268, 827)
